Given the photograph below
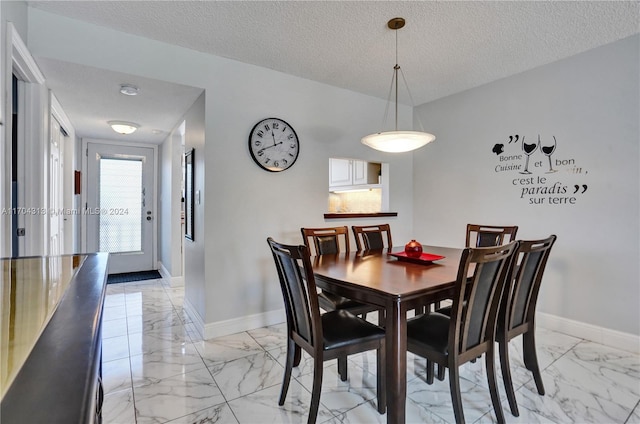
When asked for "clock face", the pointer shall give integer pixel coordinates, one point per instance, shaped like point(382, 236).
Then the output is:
point(274, 145)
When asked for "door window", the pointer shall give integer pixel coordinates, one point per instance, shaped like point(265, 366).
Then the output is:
point(121, 203)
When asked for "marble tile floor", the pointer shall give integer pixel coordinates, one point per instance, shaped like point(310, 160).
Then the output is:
point(156, 369)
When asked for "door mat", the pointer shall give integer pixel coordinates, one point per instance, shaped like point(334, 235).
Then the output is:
point(127, 277)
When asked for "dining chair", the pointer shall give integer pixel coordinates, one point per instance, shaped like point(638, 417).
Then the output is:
point(327, 241)
point(480, 236)
point(372, 237)
point(332, 335)
point(518, 310)
point(489, 235)
point(470, 330)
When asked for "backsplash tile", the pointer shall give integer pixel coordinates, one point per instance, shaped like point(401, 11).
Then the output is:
point(368, 201)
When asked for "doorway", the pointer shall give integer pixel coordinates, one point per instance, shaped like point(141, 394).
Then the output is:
point(120, 205)
point(56, 188)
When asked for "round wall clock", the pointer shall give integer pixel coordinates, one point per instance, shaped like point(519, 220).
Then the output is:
point(274, 145)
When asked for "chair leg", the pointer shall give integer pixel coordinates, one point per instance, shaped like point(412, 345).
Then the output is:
point(316, 390)
point(531, 359)
point(381, 379)
point(291, 349)
point(456, 398)
point(506, 377)
point(342, 367)
point(297, 357)
point(429, 369)
point(440, 375)
point(493, 385)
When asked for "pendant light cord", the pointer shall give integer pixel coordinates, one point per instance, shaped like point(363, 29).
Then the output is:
point(395, 76)
point(394, 80)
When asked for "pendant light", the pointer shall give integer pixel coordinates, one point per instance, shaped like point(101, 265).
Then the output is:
point(397, 141)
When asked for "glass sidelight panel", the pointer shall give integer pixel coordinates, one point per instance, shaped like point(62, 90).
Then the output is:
point(121, 201)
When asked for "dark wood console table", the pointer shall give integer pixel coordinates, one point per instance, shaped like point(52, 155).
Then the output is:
point(50, 334)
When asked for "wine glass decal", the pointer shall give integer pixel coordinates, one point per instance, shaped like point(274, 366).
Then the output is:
point(528, 150)
point(548, 151)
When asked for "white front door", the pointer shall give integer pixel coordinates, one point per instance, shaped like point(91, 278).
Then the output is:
point(120, 205)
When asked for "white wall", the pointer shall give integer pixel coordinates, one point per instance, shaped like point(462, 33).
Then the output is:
point(169, 203)
point(196, 273)
point(229, 274)
point(589, 102)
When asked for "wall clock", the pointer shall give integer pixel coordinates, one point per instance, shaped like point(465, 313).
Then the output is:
point(274, 145)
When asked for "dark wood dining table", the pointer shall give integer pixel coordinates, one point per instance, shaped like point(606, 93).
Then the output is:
point(397, 286)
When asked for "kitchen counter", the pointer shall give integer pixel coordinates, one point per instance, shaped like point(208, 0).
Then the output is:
point(50, 334)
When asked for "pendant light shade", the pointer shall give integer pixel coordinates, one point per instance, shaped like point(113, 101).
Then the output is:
point(397, 141)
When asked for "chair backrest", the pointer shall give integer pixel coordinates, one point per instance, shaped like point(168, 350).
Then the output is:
point(299, 292)
point(372, 237)
point(477, 299)
point(489, 235)
point(326, 241)
point(521, 292)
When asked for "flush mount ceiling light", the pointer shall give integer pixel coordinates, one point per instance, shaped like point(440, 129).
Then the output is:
point(129, 89)
point(397, 141)
point(123, 127)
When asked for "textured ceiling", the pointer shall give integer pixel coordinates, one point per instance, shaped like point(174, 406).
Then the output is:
point(91, 97)
point(446, 46)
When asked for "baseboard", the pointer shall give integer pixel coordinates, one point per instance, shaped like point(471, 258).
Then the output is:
point(175, 281)
point(616, 339)
point(232, 326)
point(196, 319)
point(163, 271)
point(237, 325)
point(605, 336)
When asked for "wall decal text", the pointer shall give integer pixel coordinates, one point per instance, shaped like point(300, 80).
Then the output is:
point(538, 176)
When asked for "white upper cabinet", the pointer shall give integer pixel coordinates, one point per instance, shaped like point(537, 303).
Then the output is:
point(359, 172)
point(340, 172)
point(352, 172)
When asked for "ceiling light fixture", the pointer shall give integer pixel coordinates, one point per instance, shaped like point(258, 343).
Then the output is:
point(397, 141)
point(123, 127)
point(129, 89)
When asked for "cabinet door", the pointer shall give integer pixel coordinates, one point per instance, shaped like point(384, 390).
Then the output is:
point(359, 172)
point(340, 173)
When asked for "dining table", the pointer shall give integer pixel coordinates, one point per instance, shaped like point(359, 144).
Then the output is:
point(397, 285)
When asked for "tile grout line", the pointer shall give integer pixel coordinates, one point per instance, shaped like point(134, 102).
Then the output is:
point(631, 413)
point(133, 393)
